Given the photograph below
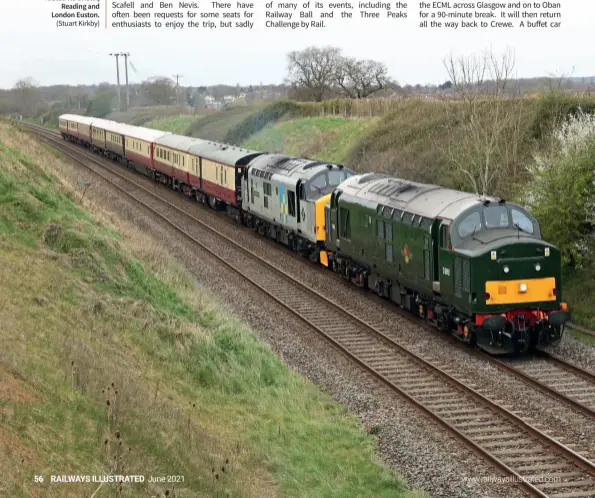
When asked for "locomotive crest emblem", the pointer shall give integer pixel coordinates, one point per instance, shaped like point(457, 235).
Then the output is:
point(406, 254)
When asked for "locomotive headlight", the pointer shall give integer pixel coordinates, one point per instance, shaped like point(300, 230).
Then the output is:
point(523, 288)
point(506, 269)
point(537, 267)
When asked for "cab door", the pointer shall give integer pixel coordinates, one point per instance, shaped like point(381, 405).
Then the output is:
point(445, 260)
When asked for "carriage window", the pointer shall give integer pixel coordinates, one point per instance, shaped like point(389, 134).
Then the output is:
point(470, 225)
point(407, 217)
point(397, 214)
point(496, 217)
point(522, 221)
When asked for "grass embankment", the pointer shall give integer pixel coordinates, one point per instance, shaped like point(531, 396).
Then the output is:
point(329, 138)
point(139, 116)
point(174, 124)
point(105, 338)
point(217, 125)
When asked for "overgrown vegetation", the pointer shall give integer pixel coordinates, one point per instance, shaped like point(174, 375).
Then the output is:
point(562, 188)
point(115, 361)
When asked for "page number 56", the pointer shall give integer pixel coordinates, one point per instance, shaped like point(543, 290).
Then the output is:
point(38, 478)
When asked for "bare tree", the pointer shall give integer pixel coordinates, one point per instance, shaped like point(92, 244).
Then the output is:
point(358, 79)
point(27, 95)
point(313, 68)
point(159, 90)
point(487, 149)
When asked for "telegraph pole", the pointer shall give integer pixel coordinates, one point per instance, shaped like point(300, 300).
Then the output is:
point(117, 56)
point(177, 77)
point(126, 55)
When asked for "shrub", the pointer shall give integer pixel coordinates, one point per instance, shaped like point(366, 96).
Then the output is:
point(562, 193)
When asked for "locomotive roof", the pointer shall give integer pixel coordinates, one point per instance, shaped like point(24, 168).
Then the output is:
point(224, 153)
point(288, 166)
point(428, 200)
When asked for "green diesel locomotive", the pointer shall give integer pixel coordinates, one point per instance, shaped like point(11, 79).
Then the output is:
point(475, 266)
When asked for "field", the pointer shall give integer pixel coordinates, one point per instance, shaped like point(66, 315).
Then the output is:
point(114, 361)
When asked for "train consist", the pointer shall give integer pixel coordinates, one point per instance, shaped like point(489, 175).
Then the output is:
point(474, 266)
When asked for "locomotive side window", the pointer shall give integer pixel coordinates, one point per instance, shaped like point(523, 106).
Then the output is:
point(471, 224)
point(345, 223)
point(444, 237)
point(291, 203)
point(522, 221)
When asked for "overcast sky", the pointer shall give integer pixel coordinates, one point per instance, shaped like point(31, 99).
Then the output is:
point(32, 45)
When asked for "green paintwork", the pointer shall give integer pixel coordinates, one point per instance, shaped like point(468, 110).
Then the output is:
point(468, 263)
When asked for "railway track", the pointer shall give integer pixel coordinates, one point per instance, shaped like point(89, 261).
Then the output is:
point(539, 464)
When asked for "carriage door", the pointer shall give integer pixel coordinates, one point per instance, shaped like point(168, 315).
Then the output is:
point(445, 260)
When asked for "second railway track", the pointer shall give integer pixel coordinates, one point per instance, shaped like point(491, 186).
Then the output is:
point(541, 465)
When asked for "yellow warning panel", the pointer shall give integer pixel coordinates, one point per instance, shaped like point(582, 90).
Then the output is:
point(533, 290)
point(324, 258)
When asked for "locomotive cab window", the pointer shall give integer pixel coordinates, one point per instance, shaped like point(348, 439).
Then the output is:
point(470, 224)
point(495, 216)
point(521, 221)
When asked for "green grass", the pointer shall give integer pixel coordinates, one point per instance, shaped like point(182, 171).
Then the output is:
point(325, 138)
point(93, 311)
point(139, 116)
point(579, 293)
point(175, 124)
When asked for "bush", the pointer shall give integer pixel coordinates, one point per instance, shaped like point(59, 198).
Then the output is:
point(562, 194)
point(555, 107)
